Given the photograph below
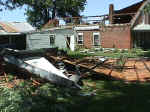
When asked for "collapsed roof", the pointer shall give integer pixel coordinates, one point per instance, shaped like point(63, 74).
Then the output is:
point(125, 15)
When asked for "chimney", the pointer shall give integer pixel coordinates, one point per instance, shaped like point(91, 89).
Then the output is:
point(111, 12)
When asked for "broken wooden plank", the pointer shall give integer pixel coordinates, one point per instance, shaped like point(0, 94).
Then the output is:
point(92, 69)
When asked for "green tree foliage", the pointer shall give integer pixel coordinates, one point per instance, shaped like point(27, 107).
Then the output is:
point(147, 8)
point(40, 12)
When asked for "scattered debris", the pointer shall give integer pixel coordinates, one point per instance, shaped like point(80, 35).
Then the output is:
point(69, 72)
point(39, 66)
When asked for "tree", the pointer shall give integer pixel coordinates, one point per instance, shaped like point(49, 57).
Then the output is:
point(40, 12)
point(147, 8)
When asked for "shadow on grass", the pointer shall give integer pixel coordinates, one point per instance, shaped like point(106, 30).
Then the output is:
point(111, 96)
point(116, 97)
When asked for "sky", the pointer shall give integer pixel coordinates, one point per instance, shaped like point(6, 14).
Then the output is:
point(93, 8)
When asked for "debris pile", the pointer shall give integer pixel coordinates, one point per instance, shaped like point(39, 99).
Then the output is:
point(40, 67)
point(62, 70)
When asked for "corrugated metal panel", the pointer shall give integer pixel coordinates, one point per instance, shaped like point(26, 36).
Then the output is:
point(7, 27)
point(22, 26)
point(16, 27)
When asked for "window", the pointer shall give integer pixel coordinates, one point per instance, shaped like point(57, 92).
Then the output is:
point(80, 39)
point(52, 39)
point(96, 39)
point(1, 28)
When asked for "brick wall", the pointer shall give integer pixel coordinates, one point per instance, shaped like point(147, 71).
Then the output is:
point(114, 36)
point(88, 38)
point(118, 36)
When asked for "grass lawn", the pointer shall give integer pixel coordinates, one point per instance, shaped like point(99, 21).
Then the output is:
point(133, 53)
point(111, 96)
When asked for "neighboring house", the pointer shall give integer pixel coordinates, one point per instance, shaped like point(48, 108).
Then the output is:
point(61, 37)
point(13, 34)
point(127, 28)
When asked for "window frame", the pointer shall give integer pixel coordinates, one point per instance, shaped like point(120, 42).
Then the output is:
point(96, 33)
point(80, 34)
point(1, 28)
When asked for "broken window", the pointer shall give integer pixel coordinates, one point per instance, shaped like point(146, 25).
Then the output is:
point(80, 39)
point(96, 39)
point(52, 39)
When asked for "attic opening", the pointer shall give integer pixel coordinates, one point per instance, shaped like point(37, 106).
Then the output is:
point(122, 19)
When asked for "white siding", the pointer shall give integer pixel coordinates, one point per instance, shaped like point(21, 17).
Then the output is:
point(38, 41)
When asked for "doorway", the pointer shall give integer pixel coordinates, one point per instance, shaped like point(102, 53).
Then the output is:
point(68, 42)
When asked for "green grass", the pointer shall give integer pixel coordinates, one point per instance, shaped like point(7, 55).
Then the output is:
point(111, 96)
point(134, 53)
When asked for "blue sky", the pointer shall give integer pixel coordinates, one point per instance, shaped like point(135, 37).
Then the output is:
point(93, 7)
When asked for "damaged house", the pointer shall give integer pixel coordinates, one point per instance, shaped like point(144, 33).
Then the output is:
point(13, 34)
point(61, 37)
point(123, 29)
point(126, 28)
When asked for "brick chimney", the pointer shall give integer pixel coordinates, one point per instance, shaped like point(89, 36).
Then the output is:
point(111, 12)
